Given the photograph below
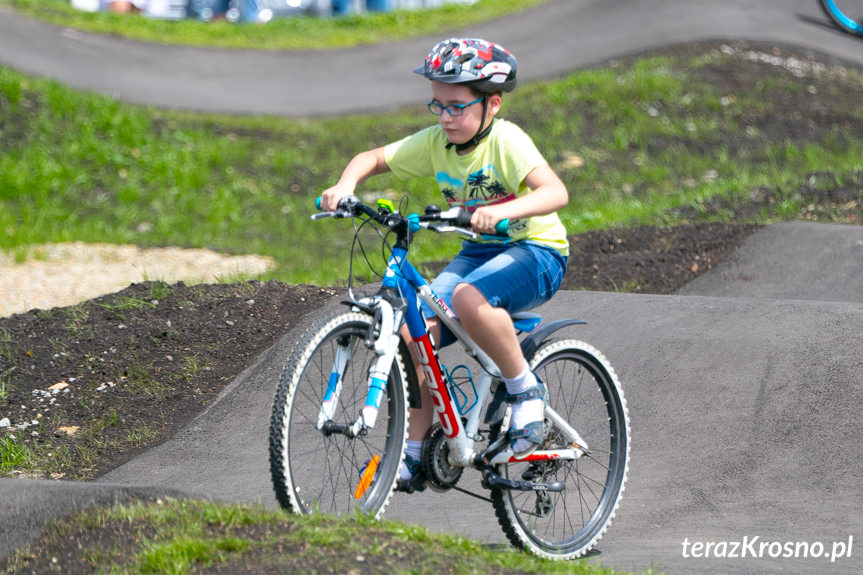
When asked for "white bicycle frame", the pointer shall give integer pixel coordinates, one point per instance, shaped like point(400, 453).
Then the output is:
point(402, 277)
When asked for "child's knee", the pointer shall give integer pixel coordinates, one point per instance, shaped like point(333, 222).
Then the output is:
point(467, 300)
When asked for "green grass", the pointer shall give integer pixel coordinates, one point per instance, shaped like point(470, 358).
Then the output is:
point(127, 304)
point(659, 142)
point(4, 385)
point(281, 34)
point(13, 453)
point(172, 536)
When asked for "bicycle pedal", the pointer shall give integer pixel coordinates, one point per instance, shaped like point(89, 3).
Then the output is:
point(415, 484)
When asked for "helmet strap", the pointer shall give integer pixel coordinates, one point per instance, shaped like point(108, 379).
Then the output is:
point(481, 133)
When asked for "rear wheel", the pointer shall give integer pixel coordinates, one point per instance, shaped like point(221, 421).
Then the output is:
point(320, 468)
point(583, 389)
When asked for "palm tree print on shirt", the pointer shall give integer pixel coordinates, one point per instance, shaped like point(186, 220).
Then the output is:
point(497, 190)
point(477, 183)
point(483, 187)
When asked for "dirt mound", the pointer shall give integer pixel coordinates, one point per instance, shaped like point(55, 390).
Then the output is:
point(64, 274)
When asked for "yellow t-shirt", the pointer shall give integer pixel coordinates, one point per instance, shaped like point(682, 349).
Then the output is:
point(491, 173)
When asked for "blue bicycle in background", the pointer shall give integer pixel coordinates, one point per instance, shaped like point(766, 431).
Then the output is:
point(847, 14)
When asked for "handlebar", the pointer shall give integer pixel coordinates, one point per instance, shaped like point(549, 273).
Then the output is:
point(458, 218)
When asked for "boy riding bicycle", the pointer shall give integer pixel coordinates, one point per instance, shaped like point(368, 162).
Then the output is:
point(494, 170)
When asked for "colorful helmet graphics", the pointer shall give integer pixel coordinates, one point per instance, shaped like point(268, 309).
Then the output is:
point(486, 66)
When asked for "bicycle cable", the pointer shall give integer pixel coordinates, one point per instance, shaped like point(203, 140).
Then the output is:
point(385, 246)
point(357, 242)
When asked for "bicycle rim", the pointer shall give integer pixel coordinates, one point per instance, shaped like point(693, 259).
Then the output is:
point(313, 472)
point(584, 390)
point(847, 14)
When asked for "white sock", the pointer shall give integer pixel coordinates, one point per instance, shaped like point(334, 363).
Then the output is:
point(413, 449)
point(526, 411)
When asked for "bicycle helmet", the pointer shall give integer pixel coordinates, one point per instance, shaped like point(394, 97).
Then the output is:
point(485, 66)
point(482, 66)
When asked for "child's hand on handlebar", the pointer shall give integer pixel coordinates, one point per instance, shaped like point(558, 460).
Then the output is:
point(483, 220)
point(331, 197)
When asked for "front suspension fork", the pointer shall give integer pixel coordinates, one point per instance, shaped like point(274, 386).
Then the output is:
point(385, 346)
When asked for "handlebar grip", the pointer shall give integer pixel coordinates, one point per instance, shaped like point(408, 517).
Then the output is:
point(318, 202)
point(502, 227)
point(462, 219)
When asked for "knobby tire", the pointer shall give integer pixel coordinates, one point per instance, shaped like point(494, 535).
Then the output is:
point(312, 472)
point(584, 390)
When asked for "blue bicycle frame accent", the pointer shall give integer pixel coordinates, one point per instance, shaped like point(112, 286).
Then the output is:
point(331, 385)
point(376, 393)
point(402, 276)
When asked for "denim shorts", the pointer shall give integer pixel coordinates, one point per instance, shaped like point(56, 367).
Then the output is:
point(515, 277)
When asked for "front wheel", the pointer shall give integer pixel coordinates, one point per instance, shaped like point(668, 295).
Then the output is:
point(315, 465)
point(584, 390)
point(847, 14)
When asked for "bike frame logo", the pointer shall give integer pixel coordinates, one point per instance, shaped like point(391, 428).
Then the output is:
point(441, 304)
point(395, 265)
point(437, 389)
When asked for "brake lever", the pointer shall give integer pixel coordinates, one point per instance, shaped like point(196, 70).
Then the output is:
point(447, 228)
point(338, 214)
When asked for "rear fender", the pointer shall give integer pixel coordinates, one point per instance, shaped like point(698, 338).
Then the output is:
point(531, 343)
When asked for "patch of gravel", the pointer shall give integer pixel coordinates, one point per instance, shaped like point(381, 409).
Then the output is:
point(56, 275)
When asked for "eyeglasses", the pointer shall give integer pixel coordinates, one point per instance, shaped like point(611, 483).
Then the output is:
point(453, 110)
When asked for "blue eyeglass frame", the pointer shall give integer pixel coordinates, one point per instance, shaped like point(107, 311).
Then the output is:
point(449, 108)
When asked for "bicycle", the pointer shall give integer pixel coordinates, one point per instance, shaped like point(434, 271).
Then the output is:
point(339, 420)
point(847, 14)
